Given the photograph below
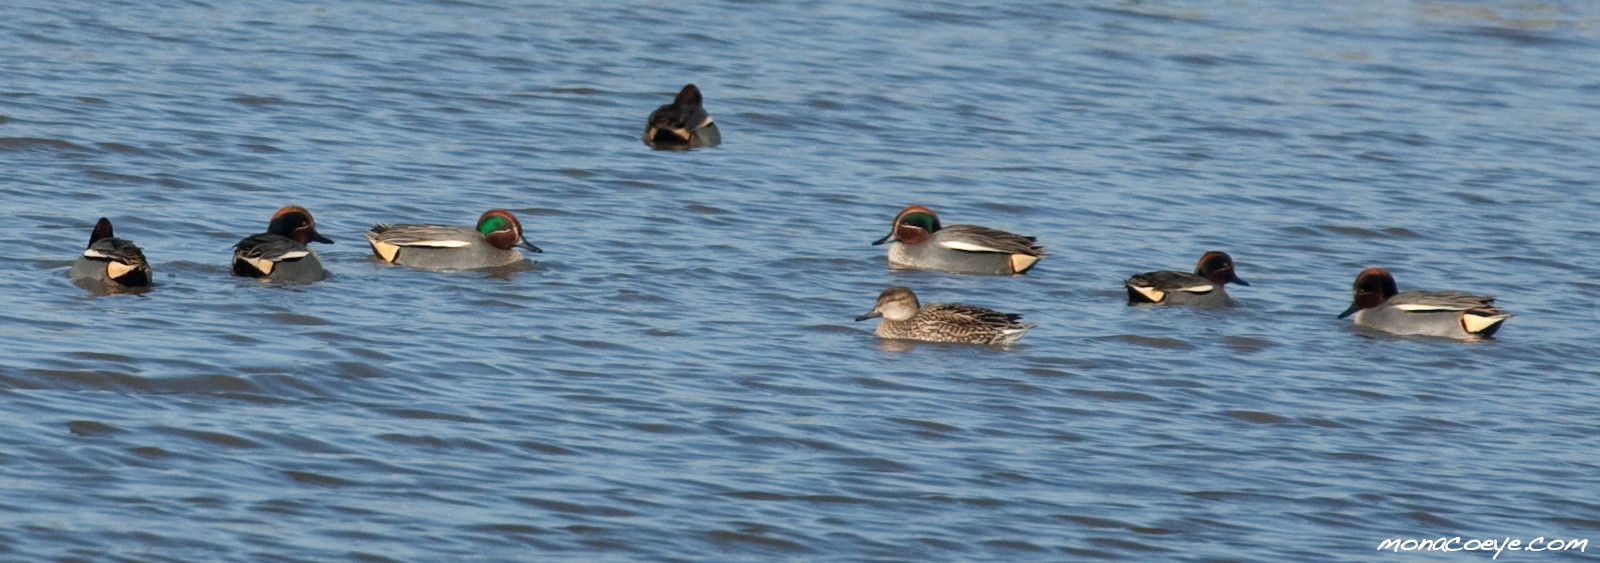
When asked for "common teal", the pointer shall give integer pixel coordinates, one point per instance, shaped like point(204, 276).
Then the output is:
point(1451, 314)
point(440, 247)
point(280, 254)
point(682, 124)
point(904, 318)
point(111, 261)
point(1204, 288)
point(921, 243)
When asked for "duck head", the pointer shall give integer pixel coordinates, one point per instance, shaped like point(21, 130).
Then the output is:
point(897, 303)
point(502, 230)
point(1373, 286)
point(1218, 268)
point(296, 223)
point(102, 229)
point(912, 225)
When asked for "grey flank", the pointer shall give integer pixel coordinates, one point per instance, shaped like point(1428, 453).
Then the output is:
point(932, 254)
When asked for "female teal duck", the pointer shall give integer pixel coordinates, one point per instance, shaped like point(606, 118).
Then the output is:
point(280, 254)
point(904, 318)
point(442, 247)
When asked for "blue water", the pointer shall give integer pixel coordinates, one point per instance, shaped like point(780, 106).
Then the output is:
point(678, 376)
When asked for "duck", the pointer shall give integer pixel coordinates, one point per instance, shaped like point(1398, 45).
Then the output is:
point(443, 247)
point(281, 254)
point(1379, 305)
point(1206, 287)
point(920, 242)
point(905, 318)
point(682, 124)
point(110, 261)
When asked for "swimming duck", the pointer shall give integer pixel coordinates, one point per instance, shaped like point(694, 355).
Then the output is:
point(921, 243)
point(441, 247)
point(281, 254)
point(110, 260)
point(904, 318)
point(1451, 314)
point(1203, 288)
point(682, 124)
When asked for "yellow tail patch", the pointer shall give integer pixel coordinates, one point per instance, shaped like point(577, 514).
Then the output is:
point(1474, 324)
point(1021, 262)
point(118, 269)
point(1153, 294)
point(384, 250)
point(262, 265)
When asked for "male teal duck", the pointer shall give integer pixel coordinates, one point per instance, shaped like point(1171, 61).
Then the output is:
point(1203, 288)
point(920, 242)
point(280, 254)
point(1380, 305)
point(443, 247)
point(110, 261)
point(682, 124)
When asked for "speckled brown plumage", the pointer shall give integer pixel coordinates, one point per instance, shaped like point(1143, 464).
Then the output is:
point(904, 318)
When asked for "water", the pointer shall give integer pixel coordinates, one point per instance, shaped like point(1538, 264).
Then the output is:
point(678, 377)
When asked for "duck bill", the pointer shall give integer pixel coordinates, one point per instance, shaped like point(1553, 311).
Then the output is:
point(321, 239)
point(528, 245)
point(870, 314)
point(886, 238)
point(1239, 281)
point(1351, 311)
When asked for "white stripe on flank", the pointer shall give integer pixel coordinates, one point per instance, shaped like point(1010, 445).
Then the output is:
point(1421, 307)
point(92, 253)
point(439, 243)
point(1198, 288)
point(295, 254)
point(967, 246)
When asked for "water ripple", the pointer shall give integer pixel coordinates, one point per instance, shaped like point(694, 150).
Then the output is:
point(678, 376)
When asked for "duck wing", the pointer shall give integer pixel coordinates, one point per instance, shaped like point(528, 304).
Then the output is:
point(973, 238)
point(1443, 301)
point(1167, 281)
point(268, 246)
point(436, 236)
point(968, 314)
point(116, 250)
